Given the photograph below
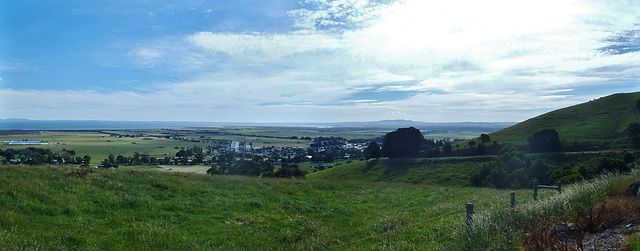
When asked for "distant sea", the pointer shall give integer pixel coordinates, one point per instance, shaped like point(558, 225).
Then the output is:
point(25, 124)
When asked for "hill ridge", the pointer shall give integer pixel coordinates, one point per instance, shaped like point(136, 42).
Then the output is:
point(602, 119)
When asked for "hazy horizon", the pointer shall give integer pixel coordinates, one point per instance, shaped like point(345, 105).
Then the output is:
point(312, 61)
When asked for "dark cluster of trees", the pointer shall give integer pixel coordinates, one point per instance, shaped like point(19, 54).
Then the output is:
point(633, 131)
point(256, 168)
point(286, 171)
point(515, 169)
point(242, 167)
point(38, 156)
point(328, 141)
point(546, 140)
point(136, 159)
point(512, 169)
point(408, 143)
point(195, 154)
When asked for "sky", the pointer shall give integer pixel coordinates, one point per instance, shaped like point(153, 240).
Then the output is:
point(312, 60)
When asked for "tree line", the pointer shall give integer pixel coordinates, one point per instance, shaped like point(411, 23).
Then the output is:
point(38, 156)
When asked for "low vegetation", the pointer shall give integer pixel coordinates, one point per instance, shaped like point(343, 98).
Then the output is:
point(527, 226)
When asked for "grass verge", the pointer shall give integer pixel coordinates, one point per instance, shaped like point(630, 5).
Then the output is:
point(505, 229)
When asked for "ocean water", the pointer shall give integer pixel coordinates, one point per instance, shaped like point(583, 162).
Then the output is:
point(23, 124)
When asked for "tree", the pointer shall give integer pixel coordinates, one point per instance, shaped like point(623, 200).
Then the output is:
point(612, 165)
point(546, 140)
point(373, 151)
point(286, 171)
point(402, 143)
point(446, 148)
point(485, 138)
point(480, 150)
point(538, 170)
point(633, 131)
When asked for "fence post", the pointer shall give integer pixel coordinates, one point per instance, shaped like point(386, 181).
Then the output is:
point(559, 186)
point(535, 189)
point(513, 199)
point(469, 215)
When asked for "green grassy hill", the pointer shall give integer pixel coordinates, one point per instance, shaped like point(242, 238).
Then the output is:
point(453, 171)
point(599, 120)
point(66, 209)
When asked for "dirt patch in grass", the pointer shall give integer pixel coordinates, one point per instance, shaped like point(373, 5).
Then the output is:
point(184, 169)
point(605, 226)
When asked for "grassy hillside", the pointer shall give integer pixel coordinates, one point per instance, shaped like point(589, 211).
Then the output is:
point(599, 120)
point(443, 171)
point(61, 209)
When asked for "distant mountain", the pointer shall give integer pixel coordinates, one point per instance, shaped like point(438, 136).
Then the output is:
point(603, 119)
point(424, 126)
point(26, 124)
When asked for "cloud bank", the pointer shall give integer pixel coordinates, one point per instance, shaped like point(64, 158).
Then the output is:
point(350, 60)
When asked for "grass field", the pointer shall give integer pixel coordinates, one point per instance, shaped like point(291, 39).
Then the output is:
point(99, 145)
point(200, 169)
point(444, 171)
point(598, 120)
point(59, 209)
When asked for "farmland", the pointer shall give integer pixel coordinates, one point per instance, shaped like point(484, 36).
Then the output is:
point(166, 142)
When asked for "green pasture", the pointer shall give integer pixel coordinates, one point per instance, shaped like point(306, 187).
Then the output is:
point(346, 133)
point(598, 120)
point(61, 209)
point(100, 145)
point(444, 171)
point(453, 135)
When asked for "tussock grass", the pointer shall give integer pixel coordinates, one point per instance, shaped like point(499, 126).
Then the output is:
point(504, 229)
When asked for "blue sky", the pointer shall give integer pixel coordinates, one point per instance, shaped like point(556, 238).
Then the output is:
point(313, 60)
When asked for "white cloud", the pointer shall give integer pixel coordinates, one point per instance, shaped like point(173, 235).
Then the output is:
point(260, 45)
point(460, 60)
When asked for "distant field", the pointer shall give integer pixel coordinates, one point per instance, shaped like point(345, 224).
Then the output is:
point(99, 144)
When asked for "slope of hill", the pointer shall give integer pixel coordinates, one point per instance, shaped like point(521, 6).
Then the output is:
point(603, 119)
point(454, 171)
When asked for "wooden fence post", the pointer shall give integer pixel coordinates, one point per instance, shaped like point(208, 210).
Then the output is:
point(535, 189)
point(559, 186)
point(513, 199)
point(469, 215)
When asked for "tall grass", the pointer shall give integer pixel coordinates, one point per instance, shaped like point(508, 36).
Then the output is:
point(504, 229)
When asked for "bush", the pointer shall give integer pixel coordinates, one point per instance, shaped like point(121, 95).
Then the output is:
point(285, 172)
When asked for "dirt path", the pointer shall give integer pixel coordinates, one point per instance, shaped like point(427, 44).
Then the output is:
point(185, 169)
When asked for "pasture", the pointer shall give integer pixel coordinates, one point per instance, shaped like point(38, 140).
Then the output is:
point(59, 209)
